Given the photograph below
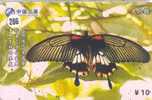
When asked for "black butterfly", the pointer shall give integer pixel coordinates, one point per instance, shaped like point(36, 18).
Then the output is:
point(84, 53)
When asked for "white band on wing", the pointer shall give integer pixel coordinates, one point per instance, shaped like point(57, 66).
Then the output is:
point(100, 58)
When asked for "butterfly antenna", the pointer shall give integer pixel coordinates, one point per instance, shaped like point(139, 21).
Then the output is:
point(77, 81)
point(109, 82)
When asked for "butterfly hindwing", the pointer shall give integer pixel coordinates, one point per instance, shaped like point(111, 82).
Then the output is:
point(119, 49)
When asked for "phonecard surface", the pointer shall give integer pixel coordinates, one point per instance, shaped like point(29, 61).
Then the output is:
point(76, 50)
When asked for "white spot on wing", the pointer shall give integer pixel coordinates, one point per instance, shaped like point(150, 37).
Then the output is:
point(105, 61)
point(74, 71)
point(98, 58)
point(75, 59)
point(79, 58)
point(77, 52)
point(80, 73)
point(101, 59)
point(101, 53)
point(94, 60)
point(98, 74)
point(85, 73)
point(104, 75)
point(67, 67)
point(82, 57)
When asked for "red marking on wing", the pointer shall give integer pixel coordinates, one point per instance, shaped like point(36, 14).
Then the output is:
point(98, 37)
point(76, 37)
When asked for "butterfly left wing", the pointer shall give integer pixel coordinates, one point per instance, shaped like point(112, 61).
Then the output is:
point(56, 48)
point(60, 48)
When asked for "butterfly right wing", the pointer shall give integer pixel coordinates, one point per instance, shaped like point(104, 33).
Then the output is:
point(119, 49)
point(57, 48)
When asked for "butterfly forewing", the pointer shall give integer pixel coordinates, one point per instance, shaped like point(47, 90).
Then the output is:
point(115, 48)
point(119, 49)
point(57, 48)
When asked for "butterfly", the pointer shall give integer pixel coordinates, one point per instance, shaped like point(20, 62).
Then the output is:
point(84, 53)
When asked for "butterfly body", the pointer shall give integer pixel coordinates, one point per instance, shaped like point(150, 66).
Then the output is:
point(84, 53)
point(88, 53)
